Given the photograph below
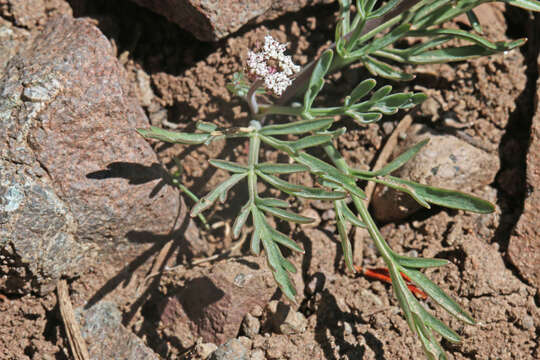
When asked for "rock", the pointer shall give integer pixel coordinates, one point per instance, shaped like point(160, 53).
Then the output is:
point(257, 354)
point(106, 337)
point(211, 20)
point(212, 302)
point(30, 13)
point(445, 162)
point(204, 350)
point(284, 319)
point(251, 326)
point(524, 246)
point(11, 39)
point(231, 350)
point(74, 173)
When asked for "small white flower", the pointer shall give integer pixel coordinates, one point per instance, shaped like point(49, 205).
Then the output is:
point(272, 66)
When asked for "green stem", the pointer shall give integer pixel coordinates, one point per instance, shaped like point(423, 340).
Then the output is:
point(382, 246)
point(193, 197)
point(253, 160)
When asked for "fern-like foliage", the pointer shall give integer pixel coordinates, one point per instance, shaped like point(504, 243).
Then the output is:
point(367, 35)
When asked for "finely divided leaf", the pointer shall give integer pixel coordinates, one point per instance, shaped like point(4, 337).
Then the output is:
point(438, 295)
point(212, 196)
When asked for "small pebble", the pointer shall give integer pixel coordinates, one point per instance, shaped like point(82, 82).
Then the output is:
point(231, 350)
point(528, 322)
point(284, 319)
point(251, 326)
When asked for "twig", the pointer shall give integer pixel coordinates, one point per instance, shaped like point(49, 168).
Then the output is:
point(76, 341)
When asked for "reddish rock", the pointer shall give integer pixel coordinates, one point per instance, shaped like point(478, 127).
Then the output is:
point(212, 302)
point(211, 20)
point(74, 173)
point(524, 247)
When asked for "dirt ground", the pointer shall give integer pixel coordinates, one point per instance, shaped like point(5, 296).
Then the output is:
point(181, 80)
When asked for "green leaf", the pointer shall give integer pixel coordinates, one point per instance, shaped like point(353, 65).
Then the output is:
point(401, 159)
point(525, 4)
point(398, 185)
point(271, 202)
point(310, 141)
point(418, 262)
point(300, 190)
point(212, 196)
point(319, 194)
point(279, 266)
point(278, 144)
point(455, 33)
point(229, 166)
point(255, 244)
point(360, 91)
point(348, 214)
point(364, 118)
point(206, 126)
point(475, 23)
point(460, 53)
point(381, 93)
point(382, 42)
point(440, 327)
point(272, 168)
point(330, 173)
point(439, 296)
point(173, 136)
point(449, 198)
point(298, 127)
point(431, 347)
point(291, 147)
point(379, 68)
point(344, 238)
point(286, 215)
point(284, 240)
point(316, 81)
point(389, 5)
point(241, 220)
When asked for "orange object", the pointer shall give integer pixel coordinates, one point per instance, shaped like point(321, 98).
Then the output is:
point(383, 275)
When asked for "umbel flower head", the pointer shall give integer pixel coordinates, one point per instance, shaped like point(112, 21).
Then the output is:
point(272, 66)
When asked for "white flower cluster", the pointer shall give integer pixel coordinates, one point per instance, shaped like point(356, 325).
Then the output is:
point(272, 66)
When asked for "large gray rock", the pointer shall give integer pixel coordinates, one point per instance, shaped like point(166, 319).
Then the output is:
point(211, 20)
point(74, 174)
point(106, 337)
